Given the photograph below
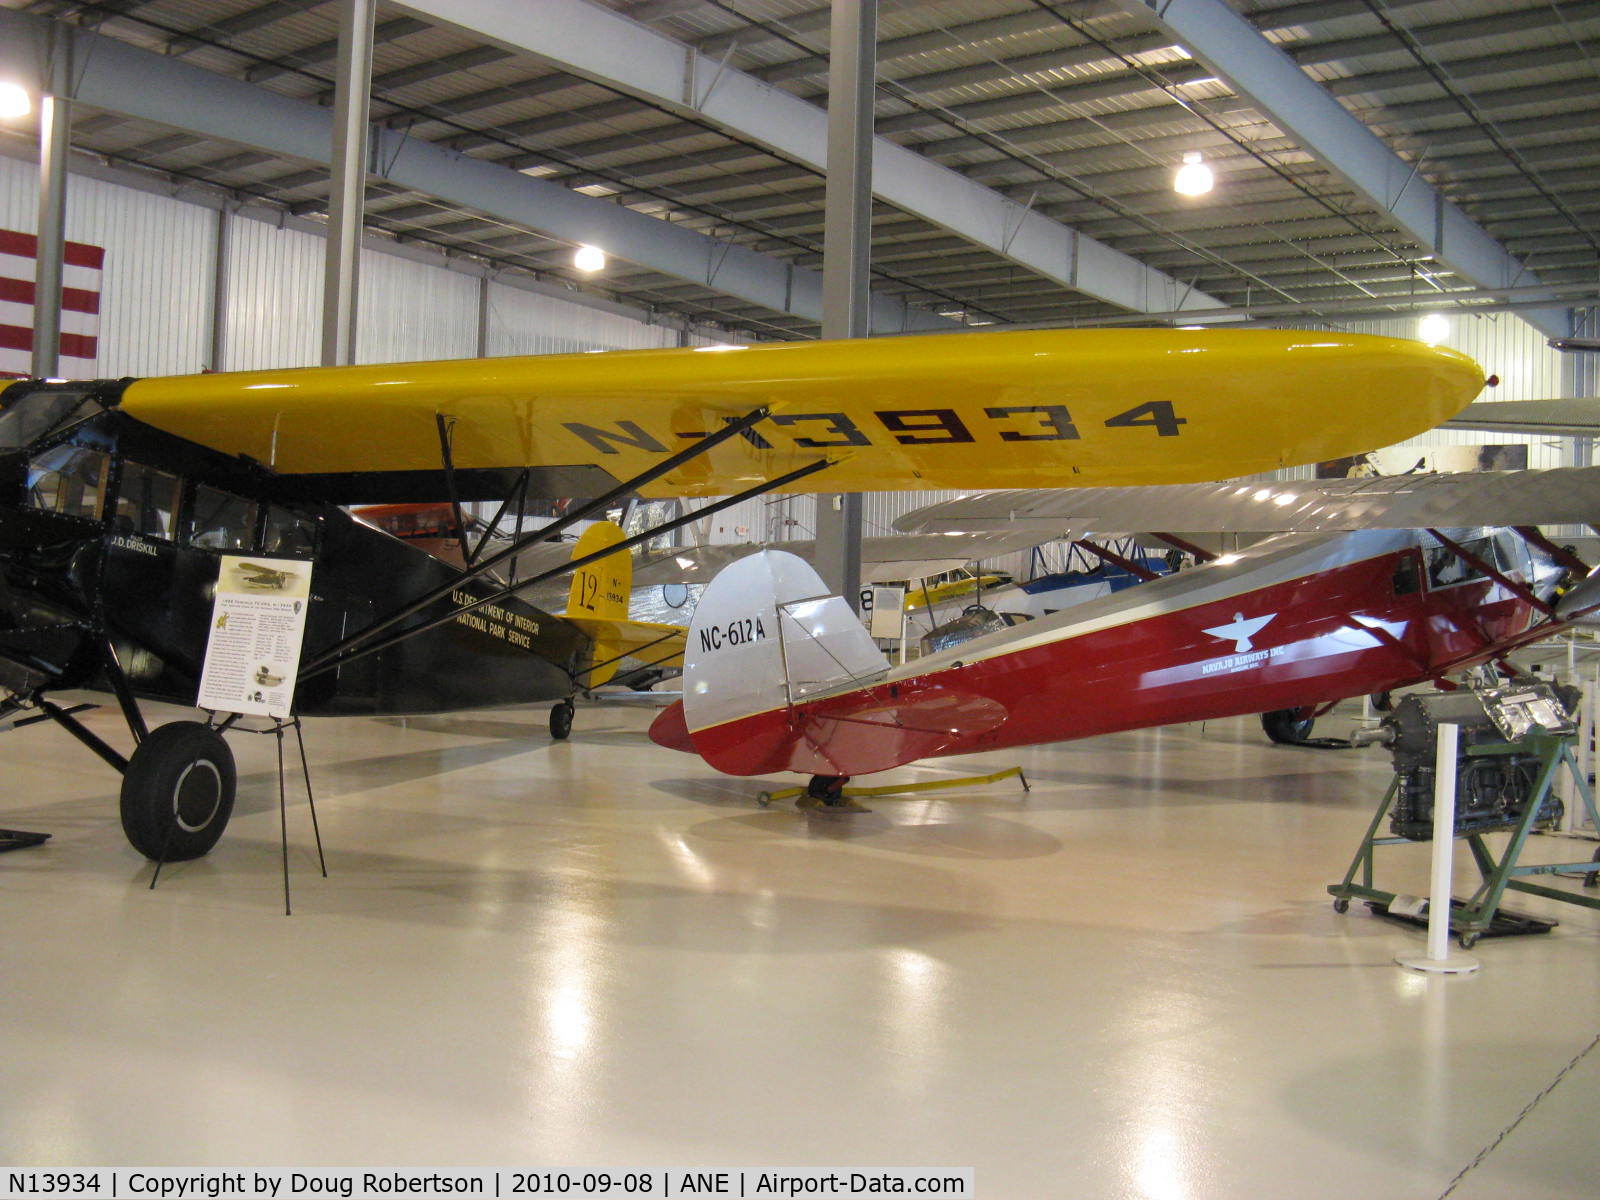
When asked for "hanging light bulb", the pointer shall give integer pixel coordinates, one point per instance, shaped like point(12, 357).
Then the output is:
point(1433, 328)
point(1194, 177)
point(14, 101)
point(589, 258)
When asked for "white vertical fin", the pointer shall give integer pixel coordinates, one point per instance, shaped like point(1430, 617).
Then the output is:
point(766, 634)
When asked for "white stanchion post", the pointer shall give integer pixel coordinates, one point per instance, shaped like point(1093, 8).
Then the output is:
point(1438, 959)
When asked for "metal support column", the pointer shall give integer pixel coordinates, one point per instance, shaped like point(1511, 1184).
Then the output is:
point(481, 346)
point(55, 135)
point(217, 345)
point(352, 89)
point(846, 252)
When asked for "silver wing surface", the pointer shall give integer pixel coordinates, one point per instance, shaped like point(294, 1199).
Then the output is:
point(882, 558)
point(1562, 418)
point(1560, 496)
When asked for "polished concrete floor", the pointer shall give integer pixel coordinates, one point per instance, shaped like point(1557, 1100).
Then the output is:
point(1126, 983)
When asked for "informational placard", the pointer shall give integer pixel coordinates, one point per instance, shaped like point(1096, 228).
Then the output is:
point(888, 612)
point(257, 622)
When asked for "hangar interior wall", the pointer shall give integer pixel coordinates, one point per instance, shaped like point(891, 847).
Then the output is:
point(157, 291)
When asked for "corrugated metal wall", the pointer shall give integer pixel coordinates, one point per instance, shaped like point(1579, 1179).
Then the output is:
point(1504, 345)
point(410, 311)
point(155, 302)
point(527, 323)
point(160, 263)
point(273, 306)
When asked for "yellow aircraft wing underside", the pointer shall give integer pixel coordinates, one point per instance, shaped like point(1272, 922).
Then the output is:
point(1054, 408)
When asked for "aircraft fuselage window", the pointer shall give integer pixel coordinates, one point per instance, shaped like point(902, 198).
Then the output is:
point(30, 417)
point(68, 480)
point(1447, 569)
point(1406, 580)
point(288, 533)
point(220, 521)
point(147, 501)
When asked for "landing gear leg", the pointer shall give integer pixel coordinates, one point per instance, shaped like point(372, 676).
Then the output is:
point(561, 719)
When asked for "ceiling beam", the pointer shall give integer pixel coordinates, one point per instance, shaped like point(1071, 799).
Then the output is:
point(171, 92)
point(1297, 104)
point(631, 58)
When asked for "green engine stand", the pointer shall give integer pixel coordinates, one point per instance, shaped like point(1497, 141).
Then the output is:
point(1476, 916)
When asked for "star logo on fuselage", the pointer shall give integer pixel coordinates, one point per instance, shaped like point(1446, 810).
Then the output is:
point(1239, 631)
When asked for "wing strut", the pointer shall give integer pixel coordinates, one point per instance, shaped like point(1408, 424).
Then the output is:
point(447, 437)
point(519, 492)
point(548, 533)
point(335, 658)
point(1189, 548)
point(1137, 570)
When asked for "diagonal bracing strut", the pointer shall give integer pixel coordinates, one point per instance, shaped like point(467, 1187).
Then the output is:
point(482, 567)
point(330, 660)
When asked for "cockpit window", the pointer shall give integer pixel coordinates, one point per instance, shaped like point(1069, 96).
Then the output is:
point(1446, 568)
point(288, 533)
point(147, 501)
point(220, 521)
point(33, 415)
point(69, 480)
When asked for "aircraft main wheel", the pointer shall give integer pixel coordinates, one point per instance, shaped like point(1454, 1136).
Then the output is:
point(1287, 726)
point(177, 793)
point(1382, 702)
point(561, 720)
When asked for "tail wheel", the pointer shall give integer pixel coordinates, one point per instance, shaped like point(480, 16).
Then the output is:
point(561, 720)
point(1288, 726)
point(827, 788)
point(177, 793)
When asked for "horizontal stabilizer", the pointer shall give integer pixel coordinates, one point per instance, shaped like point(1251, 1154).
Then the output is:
point(649, 641)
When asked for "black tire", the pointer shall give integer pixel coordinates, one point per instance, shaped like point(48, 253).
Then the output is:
point(561, 720)
point(827, 788)
point(1382, 702)
point(1287, 726)
point(1468, 940)
point(177, 793)
point(1341, 905)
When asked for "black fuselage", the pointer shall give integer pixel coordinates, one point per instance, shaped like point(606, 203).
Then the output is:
point(111, 534)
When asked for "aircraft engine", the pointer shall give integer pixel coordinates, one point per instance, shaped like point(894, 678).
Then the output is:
point(1492, 791)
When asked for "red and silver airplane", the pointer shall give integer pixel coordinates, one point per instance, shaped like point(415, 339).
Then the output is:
point(780, 676)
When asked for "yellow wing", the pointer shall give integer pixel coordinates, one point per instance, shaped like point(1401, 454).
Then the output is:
point(1054, 408)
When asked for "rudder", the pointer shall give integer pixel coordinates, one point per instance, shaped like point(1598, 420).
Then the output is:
point(765, 635)
point(602, 590)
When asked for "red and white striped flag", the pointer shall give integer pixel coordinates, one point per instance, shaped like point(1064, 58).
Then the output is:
point(80, 306)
